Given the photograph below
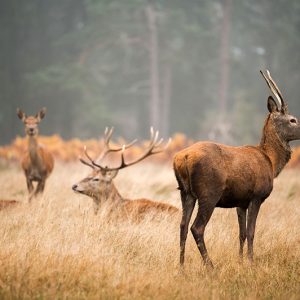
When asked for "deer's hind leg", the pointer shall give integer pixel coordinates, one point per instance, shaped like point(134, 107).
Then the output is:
point(204, 213)
point(188, 204)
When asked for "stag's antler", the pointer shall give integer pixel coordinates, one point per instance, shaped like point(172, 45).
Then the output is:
point(275, 90)
point(85, 162)
point(106, 149)
point(153, 148)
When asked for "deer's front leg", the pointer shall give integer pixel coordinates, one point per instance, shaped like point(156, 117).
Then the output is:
point(29, 184)
point(40, 187)
point(242, 213)
point(29, 187)
point(253, 210)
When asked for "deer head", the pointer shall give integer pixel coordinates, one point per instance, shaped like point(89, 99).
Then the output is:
point(286, 126)
point(99, 184)
point(31, 122)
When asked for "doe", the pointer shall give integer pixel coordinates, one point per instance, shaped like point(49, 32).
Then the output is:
point(37, 162)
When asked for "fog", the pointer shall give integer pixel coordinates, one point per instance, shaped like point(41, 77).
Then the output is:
point(180, 66)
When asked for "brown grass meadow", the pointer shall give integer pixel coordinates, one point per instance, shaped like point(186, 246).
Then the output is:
point(56, 248)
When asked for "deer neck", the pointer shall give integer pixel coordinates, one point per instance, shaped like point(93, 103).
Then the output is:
point(108, 193)
point(276, 148)
point(33, 150)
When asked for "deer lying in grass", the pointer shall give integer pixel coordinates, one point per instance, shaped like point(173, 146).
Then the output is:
point(4, 204)
point(37, 162)
point(99, 184)
point(217, 175)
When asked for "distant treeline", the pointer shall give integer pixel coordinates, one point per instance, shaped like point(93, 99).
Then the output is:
point(181, 66)
point(71, 150)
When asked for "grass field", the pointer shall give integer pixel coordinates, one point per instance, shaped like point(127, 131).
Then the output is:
point(56, 247)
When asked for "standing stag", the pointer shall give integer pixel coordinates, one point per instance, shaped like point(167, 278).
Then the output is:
point(99, 184)
point(223, 176)
point(37, 162)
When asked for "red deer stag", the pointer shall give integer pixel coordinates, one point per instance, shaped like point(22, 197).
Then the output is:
point(100, 187)
point(217, 175)
point(37, 162)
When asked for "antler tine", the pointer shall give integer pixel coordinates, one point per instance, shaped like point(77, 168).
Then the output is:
point(154, 144)
point(266, 79)
point(107, 149)
point(122, 157)
point(156, 137)
point(88, 157)
point(159, 142)
point(86, 154)
point(270, 85)
point(164, 148)
point(86, 163)
point(273, 83)
point(168, 143)
point(107, 135)
point(130, 144)
point(283, 104)
point(275, 90)
point(93, 164)
point(153, 136)
point(151, 132)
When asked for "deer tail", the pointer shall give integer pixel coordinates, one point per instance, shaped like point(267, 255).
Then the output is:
point(183, 177)
point(190, 187)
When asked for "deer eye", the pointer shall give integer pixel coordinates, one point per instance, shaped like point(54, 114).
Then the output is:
point(96, 179)
point(293, 121)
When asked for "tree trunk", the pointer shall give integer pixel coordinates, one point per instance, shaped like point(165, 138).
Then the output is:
point(224, 57)
point(167, 90)
point(154, 72)
point(221, 130)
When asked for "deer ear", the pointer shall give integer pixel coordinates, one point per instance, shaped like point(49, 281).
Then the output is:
point(41, 114)
point(272, 105)
point(20, 114)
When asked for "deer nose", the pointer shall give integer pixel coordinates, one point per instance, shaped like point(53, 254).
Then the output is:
point(74, 187)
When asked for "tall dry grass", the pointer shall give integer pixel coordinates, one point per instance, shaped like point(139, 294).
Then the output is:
point(57, 248)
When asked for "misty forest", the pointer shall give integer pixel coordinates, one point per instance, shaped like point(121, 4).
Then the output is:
point(90, 89)
point(180, 66)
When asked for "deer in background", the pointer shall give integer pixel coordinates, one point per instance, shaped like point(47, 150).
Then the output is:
point(217, 175)
point(100, 187)
point(37, 162)
point(5, 204)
